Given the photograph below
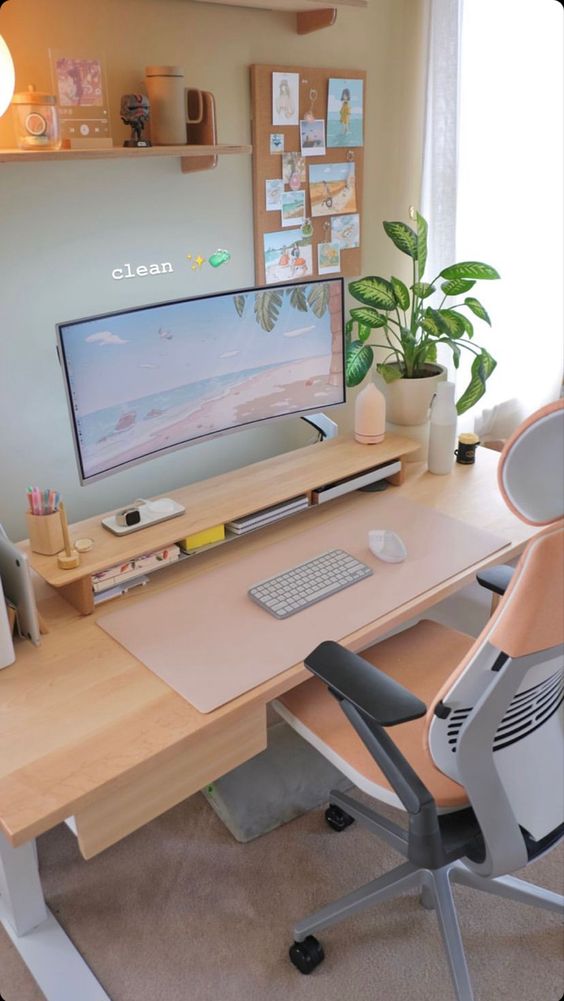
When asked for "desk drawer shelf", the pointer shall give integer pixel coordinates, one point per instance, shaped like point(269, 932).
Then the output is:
point(116, 587)
point(114, 590)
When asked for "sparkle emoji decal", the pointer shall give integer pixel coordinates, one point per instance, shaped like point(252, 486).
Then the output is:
point(196, 261)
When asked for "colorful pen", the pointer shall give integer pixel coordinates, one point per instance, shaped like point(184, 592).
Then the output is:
point(42, 502)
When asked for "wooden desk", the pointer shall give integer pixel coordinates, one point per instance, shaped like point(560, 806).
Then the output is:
point(87, 731)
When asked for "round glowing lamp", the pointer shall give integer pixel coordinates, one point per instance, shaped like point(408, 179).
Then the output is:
point(7, 76)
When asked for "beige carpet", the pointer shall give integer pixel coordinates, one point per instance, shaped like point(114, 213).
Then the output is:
point(179, 911)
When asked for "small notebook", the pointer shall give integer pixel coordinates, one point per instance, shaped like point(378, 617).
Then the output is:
point(210, 642)
point(267, 515)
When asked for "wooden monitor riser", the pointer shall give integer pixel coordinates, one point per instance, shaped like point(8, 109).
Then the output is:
point(218, 500)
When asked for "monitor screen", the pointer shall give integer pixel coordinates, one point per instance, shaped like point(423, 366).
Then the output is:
point(141, 382)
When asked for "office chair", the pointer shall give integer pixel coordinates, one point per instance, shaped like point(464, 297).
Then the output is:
point(479, 772)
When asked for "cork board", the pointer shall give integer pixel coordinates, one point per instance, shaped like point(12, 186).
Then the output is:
point(267, 165)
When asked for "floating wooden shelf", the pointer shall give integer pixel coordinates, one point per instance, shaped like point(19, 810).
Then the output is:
point(311, 15)
point(185, 154)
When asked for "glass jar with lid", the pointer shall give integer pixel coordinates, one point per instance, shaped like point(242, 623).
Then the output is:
point(36, 120)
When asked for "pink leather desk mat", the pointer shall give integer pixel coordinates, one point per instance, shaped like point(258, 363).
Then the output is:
point(210, 642)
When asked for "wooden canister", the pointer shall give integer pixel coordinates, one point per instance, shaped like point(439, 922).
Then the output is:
point(45, 533)
point(165, 89)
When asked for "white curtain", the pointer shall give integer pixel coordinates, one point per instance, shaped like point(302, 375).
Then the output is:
point(493, 179)
point(440, 151)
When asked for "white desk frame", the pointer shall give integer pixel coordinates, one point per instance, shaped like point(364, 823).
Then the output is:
point(51, 958)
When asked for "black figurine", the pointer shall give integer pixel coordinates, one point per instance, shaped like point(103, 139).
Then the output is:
point(134, 111)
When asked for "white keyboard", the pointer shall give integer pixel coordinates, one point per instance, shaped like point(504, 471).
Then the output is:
point(309, 582)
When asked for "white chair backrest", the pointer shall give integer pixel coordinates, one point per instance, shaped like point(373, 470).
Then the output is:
point(496, 726)
point(531, 467)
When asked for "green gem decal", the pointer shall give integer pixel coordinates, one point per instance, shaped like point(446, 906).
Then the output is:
point(219, 257)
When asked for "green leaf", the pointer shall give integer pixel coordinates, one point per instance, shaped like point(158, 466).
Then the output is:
point(482, 367)
point(423, 289)
point(373, 291)
point(318, 298)
point(431, 323)
point(456, 352)
point(403, 237)
point(468, 328)
point(358, 361)
point(469, 269)
point(267, 308)
point(421, 245)
point(389, 372)
point(401, 293)
point(363, 332)
point(458, 287)
point(453, 322)
point(477, 309)
point(368, 316)
point(431, 352)
point(298, 299)
point(240, 302)
point(348, 332)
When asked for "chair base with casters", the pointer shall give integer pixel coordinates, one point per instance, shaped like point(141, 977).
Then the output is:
point(433, 884)
point(443, 829)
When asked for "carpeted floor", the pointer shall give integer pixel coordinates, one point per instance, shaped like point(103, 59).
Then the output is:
point(179, 911)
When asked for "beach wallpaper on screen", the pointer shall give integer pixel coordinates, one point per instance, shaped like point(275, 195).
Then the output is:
point(148, 380)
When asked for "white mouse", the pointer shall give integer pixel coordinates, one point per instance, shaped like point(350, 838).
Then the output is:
point(386, 545)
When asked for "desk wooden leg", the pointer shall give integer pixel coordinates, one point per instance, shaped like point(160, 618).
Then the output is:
point(397, 478)
point(51, 958)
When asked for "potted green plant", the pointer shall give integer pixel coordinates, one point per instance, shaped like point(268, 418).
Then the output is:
point(400, 320)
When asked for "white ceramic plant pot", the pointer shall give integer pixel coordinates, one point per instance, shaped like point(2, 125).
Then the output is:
point(408, 400)
point(407, 408)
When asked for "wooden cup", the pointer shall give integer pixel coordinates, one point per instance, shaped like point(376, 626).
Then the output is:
point(45, 533)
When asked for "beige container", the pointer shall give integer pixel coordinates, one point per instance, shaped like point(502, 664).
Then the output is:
point(36, 120)
point(45, 533)
point(165, 89)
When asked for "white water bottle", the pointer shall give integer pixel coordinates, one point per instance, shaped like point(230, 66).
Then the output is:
point(442, 430)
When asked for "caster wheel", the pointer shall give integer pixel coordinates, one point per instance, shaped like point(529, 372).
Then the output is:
point(337, 818)
point(307, 955)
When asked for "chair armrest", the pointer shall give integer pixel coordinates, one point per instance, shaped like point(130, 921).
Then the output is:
point(352, 678)
point(371, 701)
point(496, 579)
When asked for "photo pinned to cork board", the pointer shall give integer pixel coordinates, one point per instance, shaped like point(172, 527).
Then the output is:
point(345, 113)
point(297, 105)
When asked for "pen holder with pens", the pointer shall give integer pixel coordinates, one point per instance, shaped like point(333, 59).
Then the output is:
point(45, 533)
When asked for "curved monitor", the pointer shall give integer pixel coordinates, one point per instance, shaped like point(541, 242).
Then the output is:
point(141, 382)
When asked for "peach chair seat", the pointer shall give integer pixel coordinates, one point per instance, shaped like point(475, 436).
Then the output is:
point(420, 658)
